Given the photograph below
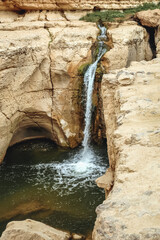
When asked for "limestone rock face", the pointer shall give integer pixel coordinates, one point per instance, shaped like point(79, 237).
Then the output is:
point(157, 41)
point(129, 43)
point(39, 83)
point(69, 4)
point(131, 103)
point(29, 229)
point(150, 18)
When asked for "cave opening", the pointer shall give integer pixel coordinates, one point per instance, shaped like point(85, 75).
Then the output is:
point(151, 31)
point(30, 132)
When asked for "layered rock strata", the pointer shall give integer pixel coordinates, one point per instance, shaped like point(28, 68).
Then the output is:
point(40, 86)
point(39, 83)
point(69, 4)
point(131, 103)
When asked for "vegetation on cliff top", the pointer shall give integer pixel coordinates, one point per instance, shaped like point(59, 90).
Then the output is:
point(112, 15)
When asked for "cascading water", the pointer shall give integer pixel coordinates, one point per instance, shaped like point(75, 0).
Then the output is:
point(59, 180)
point(87, 154)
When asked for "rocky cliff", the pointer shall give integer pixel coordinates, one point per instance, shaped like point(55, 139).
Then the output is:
point(131, 108)
point(69, 4)
point(40, 53)
point(39, 82)
point(40, 86)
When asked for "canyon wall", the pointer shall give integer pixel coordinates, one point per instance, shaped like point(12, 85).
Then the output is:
point(132, 111)
point(131, 104)
point(40, 85)
point(69, 4)
point(40, 53)
point(39, 82)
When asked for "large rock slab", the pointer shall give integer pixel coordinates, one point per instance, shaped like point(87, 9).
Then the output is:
point(29, 229)
point(129, 42)
point(149, 18)
point(131, 103)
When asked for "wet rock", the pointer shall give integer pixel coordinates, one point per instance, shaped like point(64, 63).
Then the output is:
point(77, 237)
point(24, 209)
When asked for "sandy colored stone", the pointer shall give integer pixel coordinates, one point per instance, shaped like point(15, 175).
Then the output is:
point(129, 43)
point(69, 4)
point(77, 237)
point(149, 18)
point(106, 181)
point(29, 229)
point(157, 41)
point(132, 117)
point(158, 49)
point(39, 83)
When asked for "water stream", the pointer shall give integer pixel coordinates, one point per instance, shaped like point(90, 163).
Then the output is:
point(44, 182)
point(86, 156)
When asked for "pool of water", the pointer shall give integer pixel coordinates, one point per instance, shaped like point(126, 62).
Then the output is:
point(44, 182)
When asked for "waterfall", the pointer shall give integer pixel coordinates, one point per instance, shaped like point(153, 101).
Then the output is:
point(89, 85)
point(86, 155)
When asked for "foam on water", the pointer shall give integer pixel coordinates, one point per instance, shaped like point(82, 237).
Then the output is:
point(71, 173)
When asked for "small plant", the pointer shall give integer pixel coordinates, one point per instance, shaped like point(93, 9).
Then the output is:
point(83, 68)
point(112, 15)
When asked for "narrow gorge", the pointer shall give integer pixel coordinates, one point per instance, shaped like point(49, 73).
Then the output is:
point(46, 52)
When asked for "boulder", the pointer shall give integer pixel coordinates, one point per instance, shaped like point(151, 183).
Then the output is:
point(130, 42)
point(149, 18)
point(29, 229)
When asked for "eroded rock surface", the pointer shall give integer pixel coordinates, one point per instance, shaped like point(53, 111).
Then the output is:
point(157, 41)
point(149, 18)
point(29, 229)
point(131, 102)
point(129, 42)
point(39, 83)
point(69, 4)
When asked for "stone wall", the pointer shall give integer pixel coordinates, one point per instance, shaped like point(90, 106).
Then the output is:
point(69, 4)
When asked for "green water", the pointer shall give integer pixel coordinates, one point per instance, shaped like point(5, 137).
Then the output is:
point(39, 180)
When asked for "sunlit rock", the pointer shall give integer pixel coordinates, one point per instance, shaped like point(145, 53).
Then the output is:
point(69, 4)
point(29, 229)
point(130, 42)
point(132, 114)
point(149, 18)
point(40, 87)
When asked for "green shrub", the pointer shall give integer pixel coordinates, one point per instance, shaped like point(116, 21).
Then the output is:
point(83, 68)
